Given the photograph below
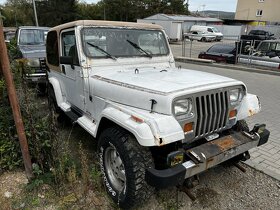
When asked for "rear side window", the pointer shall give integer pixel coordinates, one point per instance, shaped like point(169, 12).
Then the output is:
point(52, 48)
point(221, 49)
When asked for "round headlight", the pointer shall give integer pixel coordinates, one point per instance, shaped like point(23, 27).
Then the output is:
point(235, 95)
point(183, 107)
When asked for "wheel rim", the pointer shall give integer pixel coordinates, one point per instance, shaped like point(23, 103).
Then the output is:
point(114, 168)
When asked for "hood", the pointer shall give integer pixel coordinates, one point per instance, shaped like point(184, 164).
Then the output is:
point(137, 88)
point(33, 51)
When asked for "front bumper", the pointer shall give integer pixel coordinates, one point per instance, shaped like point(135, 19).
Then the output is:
point(219, 38)
point(36, 78)
point(209, 154)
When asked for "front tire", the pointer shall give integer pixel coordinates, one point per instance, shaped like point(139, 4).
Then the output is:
point(123, 163)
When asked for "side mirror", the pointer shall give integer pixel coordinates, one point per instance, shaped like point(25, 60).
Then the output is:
point(67, 60)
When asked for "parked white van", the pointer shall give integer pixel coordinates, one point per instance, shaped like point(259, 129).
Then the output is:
point(208, 30)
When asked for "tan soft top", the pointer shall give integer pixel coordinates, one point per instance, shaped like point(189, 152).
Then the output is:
point(105, 23)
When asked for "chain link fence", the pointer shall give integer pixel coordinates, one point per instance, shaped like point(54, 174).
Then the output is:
point(247, 52)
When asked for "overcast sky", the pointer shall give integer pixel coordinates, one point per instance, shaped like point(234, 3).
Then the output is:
point(222, 5)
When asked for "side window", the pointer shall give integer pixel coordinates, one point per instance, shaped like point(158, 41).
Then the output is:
point(209, 30)
point(52, 48)
point(69, 47)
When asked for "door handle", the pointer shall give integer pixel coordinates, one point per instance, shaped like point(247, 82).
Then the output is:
point(63, 69)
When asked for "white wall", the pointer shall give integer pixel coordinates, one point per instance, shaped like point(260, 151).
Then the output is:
point(173, 30)
point(229, 32)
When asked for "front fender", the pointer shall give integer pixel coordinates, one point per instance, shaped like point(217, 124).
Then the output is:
point(141, 131)
point(152, 130)
point(249, 106)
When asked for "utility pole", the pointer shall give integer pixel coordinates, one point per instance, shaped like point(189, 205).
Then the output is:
point(6, 70)
point(35, 12)
point(203, 11)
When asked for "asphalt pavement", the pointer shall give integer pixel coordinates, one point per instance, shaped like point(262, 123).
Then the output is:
point(267, 157)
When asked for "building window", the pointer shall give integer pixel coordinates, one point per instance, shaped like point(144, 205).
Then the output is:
point(259, 12)
point(261, 1)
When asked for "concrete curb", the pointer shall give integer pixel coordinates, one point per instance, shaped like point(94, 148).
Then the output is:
point(263, 169)
point(206, 62)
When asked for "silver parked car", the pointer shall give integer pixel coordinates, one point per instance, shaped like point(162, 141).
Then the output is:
point(200, 36)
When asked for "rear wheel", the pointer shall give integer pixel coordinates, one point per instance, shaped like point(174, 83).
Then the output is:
point(41, 88)
point(54, 109)
point(123, 163)
point(203, 39)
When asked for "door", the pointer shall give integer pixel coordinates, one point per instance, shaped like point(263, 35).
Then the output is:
point(72, 75)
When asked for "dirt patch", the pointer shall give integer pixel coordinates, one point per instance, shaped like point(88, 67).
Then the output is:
point(11, 184)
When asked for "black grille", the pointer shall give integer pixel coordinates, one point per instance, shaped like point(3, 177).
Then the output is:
point(212, 113)
point(43, 64)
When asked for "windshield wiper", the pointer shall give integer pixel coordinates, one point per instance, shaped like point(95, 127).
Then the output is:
point(136, 46)
point(100, 49)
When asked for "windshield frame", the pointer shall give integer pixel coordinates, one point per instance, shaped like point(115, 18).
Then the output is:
point(84, 42)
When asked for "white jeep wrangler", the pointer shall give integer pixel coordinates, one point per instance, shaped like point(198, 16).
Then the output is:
point(156, 125)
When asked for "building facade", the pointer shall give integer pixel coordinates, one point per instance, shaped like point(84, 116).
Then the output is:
point(258, 11)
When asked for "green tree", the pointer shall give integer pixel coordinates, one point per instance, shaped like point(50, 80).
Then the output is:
point(18, 12)
point(55, 12)
point(90, 11)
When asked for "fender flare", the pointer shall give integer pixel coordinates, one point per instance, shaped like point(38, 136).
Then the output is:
point(141, 131)
point(249, 106)
point(57, 90)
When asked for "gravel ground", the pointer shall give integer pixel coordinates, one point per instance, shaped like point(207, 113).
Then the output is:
point(224, 187)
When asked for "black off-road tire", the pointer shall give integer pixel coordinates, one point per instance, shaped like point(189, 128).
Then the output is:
point(41, 88)
point(135, 159)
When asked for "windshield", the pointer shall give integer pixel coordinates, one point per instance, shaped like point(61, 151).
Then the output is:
point(32, 36)
point(227, 49)
point(120, 42)
point(268, 46)
point(215, 30)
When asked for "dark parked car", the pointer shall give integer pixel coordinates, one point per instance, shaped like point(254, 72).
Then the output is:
point(220, 53)
point(253, 39)
point(31, 44)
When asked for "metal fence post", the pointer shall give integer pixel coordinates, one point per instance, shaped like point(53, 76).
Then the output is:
point(191, 42)
point(5, 66)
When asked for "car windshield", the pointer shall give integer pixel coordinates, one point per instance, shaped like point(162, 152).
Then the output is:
point(120, 42)
point(32, 36)
point(221, 49)
point(215, 30)
point(257, 32)
point(268, 46)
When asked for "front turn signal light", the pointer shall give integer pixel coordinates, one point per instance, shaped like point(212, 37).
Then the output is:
point(232, 113)
point(188, 127)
